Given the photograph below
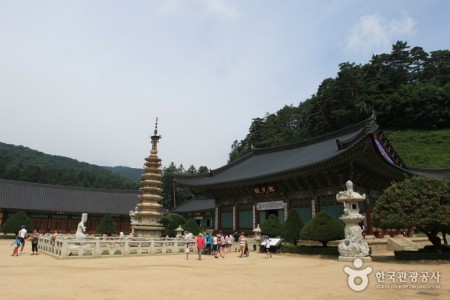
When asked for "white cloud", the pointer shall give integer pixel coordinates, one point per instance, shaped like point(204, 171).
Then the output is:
point(373, 33)
point(220, 8)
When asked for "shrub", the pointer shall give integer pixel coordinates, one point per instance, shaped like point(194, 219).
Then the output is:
point(310, 250)
point(14, 224)
point(422, 255)
point(272, 226)
point(170, 223)
point(291, 228)
point(192, 227)
point(323, 228)
point(106, 225)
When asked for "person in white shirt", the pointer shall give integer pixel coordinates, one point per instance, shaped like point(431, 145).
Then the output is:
point(267, 243)
point(214, 246)
point(22, 237)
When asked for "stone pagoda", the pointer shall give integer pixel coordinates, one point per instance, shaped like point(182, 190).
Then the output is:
point(147, 213)
point(354, 245)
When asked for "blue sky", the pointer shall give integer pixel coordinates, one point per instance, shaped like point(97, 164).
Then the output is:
point(87, 79)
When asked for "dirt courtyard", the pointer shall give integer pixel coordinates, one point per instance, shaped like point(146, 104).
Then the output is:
point(284, 276)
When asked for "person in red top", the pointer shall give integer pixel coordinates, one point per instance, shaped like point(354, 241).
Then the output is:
point(200, 245)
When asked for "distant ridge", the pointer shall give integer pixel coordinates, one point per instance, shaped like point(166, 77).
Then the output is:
point(132, 174)
point(24, 164)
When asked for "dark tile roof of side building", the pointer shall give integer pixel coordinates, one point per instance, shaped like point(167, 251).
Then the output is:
point(43, 197)
point(196, 204)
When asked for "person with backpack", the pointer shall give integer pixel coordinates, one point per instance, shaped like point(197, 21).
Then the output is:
point(208, 242)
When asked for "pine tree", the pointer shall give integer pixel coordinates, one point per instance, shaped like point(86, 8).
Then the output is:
point(106, 225)
point(272, 226)
point(292, 227)
point(191, 226)
point(15, 223)
point(323, 228)
point(171, 222)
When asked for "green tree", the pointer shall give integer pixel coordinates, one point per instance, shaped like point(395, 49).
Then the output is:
point(170, 223)
point(191, 226)
point(323, 228)
point(272, 226)
point(15, 223)
point(437, 68)
point(292, 226)
point(106, 225)
point(418, 202)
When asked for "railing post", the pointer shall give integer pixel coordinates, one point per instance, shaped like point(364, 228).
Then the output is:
point(97, 248)
point(64, 247)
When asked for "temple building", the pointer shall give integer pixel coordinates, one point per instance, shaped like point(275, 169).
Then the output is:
point(200, 209)
point(305, 176)
point(53, 207)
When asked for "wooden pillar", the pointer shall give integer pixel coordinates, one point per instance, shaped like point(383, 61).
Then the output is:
point(121, 224)
point(69, 222)
point(235, 217)
point(49, 217)
point(217, 213)
point(368, 209)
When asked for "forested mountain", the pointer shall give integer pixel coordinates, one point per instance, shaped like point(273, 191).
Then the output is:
point(407, 89)
point(24, 164)
point(132, 174)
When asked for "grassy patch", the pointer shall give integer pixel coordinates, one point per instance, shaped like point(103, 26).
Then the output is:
point(422, 149)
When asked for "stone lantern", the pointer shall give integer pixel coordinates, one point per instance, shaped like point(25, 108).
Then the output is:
point(257, 237)
point(354, 245)
point(179, 231)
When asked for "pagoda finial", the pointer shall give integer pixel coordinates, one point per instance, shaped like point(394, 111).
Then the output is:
point(155, 138)
point(156, 126)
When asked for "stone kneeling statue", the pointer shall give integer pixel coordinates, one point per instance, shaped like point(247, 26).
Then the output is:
point(81, 229)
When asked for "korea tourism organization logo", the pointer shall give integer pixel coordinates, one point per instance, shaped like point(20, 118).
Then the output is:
point(358, 278)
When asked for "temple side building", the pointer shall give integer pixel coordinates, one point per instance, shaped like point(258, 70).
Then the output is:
point(305, 176)
point(53, 207)
point(200, 209)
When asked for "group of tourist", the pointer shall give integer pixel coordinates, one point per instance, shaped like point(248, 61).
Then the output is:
point(20, 241)
point(218, 245)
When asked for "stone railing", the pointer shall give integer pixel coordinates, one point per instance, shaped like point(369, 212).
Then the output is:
point(66, 247)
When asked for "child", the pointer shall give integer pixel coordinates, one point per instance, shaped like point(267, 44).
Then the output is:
point(267, 243)
point(187, 250)
point(34, 242)
point(17, 246)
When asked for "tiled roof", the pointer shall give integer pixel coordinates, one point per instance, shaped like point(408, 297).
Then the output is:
point(269, 162)
point(42, 197)
point(193, 205)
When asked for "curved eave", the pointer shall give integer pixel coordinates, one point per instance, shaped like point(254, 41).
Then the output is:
point(341, 155)
point(266, 164)
point(431, 173)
